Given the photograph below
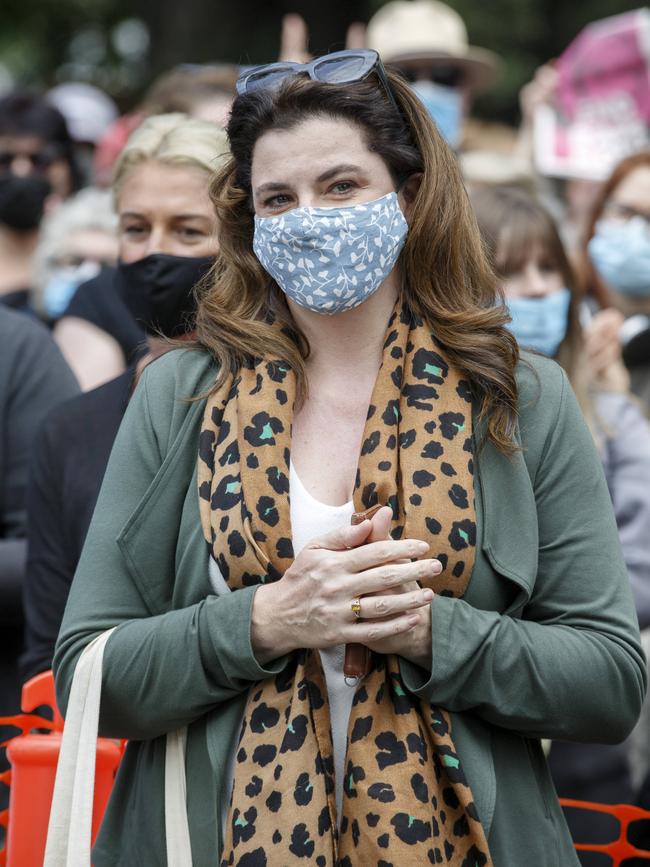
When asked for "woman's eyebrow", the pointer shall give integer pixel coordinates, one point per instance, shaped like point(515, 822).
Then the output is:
point(337, 170)
point(191, 217)
point(278, 186)
point(271, 187)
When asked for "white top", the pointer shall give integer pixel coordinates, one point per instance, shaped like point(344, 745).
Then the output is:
point(309, 519)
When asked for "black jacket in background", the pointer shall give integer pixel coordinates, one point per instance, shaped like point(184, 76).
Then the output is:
point(33, 378)
point(66, 473)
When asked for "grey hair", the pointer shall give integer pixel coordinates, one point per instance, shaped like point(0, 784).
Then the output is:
point(90, 208)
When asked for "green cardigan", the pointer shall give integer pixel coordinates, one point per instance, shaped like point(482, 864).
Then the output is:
point(545, 643)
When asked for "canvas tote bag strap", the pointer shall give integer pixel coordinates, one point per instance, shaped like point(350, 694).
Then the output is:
point(177, 832)
point(69, 830)
point(70, 826)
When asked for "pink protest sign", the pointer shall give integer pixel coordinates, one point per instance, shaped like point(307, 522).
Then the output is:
point(601, 110)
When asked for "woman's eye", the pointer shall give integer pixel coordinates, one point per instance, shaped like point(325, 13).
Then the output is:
point(191, 234)
point(278, 201)
point(133, 231)
point(342, 187)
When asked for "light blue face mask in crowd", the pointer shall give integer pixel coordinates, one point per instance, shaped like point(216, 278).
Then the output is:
point(332, 259)
point(445, 105)
point(620, 253)
point(63, 283)
point(540, 323)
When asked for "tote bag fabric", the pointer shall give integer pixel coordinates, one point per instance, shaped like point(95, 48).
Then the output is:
point(69, 830)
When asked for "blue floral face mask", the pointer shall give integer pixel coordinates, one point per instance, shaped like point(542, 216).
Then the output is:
point(620, 253)
point(332, 259)
point(540, 323)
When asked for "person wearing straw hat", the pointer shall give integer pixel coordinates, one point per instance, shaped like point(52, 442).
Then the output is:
point(427, 42)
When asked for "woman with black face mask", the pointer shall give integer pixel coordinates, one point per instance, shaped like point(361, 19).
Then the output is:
point(167, 243)
point(37, 171)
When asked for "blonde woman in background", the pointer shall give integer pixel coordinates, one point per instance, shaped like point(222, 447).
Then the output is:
point(163, 210)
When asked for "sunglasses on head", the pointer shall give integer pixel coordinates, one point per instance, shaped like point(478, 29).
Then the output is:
point(340, 67)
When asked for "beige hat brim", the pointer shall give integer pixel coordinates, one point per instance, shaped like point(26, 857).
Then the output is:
point(480, 65)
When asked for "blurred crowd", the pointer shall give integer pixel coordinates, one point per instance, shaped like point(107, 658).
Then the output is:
point(107, 227)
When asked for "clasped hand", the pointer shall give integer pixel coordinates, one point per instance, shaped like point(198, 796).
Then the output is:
point(310, 606)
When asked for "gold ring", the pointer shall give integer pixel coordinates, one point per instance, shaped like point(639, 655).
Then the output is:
point(355, 605)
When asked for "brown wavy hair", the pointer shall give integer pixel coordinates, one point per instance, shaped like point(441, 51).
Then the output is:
point(594, 284)
point(447, 279)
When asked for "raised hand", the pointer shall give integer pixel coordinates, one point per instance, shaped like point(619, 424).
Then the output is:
point(294, 39)
point(603, 350)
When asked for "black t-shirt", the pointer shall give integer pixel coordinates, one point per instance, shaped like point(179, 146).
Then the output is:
point(99, 302)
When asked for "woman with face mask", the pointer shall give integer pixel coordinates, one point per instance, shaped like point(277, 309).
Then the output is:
point(351, 455)
point(166, 246)
point(541, 295)
point(167, 243)
point(615, 264)
point(426, 41)
point(75, 243)
point(38, 171)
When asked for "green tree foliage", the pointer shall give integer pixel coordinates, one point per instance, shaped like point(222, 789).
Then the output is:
point(35, 35)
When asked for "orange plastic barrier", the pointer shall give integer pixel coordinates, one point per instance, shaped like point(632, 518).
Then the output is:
point(33, 758)
point(621, 848)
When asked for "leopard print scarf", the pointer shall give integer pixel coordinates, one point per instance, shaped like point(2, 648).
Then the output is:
point(405, 796)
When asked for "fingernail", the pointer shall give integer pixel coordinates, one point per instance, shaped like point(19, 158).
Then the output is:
point(421, 547)
point(427, 595)
point(413, 620)
point(436, 567)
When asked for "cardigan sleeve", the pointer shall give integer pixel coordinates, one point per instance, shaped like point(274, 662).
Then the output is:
point(572, 666)
point(164, 671)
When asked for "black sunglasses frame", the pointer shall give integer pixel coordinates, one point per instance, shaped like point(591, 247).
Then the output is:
point(446, 75)
point(252, 79)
